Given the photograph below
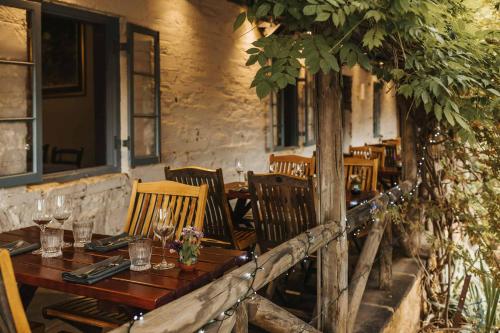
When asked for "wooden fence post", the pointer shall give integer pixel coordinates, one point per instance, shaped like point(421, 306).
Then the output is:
point(385, 275)
point(332, 284)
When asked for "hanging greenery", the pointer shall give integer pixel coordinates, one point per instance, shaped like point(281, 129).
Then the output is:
point(433, 51)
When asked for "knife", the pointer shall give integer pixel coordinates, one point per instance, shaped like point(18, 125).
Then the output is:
point(114, 262)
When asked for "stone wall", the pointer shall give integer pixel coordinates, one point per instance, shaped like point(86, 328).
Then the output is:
point(210, 117)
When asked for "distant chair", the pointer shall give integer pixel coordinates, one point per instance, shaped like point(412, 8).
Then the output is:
point(187, 204)
point(12, 315)
point(391, 156)
point(283, 207)
point(188, 208)
point(67, 156)
point(361, 151)
point(394, 142)
point(218, 222)
point(369, 152)
point(379, 153)
point(293, 165)
point(366, 169)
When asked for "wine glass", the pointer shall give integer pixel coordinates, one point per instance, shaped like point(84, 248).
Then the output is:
point(61, 211)
point(41, 217)
point(299, 170)
point(164, 230)
point(239, 168)
point(272, 167)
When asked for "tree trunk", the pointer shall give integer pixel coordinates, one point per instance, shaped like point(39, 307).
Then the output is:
point(408, 140)
point(332, 284)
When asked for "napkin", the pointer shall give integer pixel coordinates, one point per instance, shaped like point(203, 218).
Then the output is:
point(110, 243)
point(20, 247)
point(99, 271)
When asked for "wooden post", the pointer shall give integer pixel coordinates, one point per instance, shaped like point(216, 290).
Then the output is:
point(241, 325)
point(385, 277)
point(272, 318)
point(408, 140)
point(363, 268)
point(332, 284)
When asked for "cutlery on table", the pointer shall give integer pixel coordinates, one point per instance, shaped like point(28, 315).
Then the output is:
point(99, 268)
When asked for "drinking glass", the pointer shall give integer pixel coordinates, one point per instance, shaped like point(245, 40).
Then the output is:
point(239, 168)
point(82, 232)
point(61, 211)
point(140, 254)
point(272, 168)
point(164, 230)
point(51, 240)
point(41, 217)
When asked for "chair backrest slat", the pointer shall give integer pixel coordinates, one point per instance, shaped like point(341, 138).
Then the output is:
point(366, 169)
point(12, 315)
point(288, 164)
point(187, 204)
point(282, 206)
point(218, 219)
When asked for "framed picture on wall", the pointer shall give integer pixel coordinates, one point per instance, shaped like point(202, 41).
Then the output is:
point(63, 57)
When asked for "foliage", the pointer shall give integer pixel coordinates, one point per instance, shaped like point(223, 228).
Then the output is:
point(431, 50)
point(188, 246)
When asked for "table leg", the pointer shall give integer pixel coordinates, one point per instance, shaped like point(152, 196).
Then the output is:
point(27, 293)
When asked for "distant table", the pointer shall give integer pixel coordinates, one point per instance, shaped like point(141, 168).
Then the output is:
point(239, 191)
point(145, 290)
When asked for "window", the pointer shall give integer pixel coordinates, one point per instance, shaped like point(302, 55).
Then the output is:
point(144, 95)
point(293, 114)
point(377, 91)
point(60, 92)
point(346, 106)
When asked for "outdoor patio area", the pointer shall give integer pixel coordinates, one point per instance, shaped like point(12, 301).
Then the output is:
point(249, 166)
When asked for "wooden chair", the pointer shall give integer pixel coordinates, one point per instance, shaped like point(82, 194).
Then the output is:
point(67, 156)
point(361, 152)
point(391, 155)
point(365, 168)
point(218, 224)
point(188, 207)
point(287, 164)
point(378, 153)
point(282, 206)
point(12, 315)
point(394, 142)
point(186, 202)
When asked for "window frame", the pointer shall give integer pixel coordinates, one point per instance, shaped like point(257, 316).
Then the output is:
point(35, 175)
point(277, 104)
point(377, 109)
point(112, 59)
point(156, 158)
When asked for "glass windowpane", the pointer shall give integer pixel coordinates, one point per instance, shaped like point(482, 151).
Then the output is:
point(144, 137)
point(144, 46)
point(144, 95)
point(15, 31)
point(15, 91)
point(16, 148)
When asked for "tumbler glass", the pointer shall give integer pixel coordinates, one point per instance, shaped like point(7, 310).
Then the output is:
point(51, 240)
point(82, 232)
point(140, 254)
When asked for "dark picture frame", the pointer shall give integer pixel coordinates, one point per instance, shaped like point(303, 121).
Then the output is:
point(63, 57)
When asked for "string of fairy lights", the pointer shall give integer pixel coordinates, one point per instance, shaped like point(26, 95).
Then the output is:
point(251, 293)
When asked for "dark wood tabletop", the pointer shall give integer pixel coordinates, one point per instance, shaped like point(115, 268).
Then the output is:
point(145, 290)
point(237, 190)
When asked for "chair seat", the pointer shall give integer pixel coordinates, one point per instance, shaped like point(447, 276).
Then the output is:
point(86, 311)
point(244, 238)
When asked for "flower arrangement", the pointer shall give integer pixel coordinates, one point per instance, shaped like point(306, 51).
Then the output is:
point(188, 246)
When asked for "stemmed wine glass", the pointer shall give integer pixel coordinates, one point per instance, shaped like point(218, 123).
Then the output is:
point(41, 217)
point(239, 168)
point(61, 211)
point(164, 230)
point(299, 170)
point(272, 167)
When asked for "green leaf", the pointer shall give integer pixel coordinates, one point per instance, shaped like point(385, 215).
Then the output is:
point(425, 97)
point(324, 66)
point(449, 116)
point(263, 10)
point(323, 16)
point(282, 82)
point(335, 19)
point(262, 59)
point(252, 60)
point(494, 92)
point(240, 19)
point(263, 89)
point(462, 122)
point(309, 10)
point(278, 9)
point(375, 14)
point(253, 50)
point(438, 111)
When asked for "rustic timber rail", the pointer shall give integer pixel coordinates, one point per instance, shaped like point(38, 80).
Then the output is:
point(193, 311)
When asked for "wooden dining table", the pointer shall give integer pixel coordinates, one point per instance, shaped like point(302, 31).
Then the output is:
point(143, 290)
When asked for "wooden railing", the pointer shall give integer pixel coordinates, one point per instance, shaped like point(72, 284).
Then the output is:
point(208, 304)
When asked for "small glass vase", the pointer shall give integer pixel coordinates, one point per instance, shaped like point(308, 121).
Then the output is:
point(187, 267)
